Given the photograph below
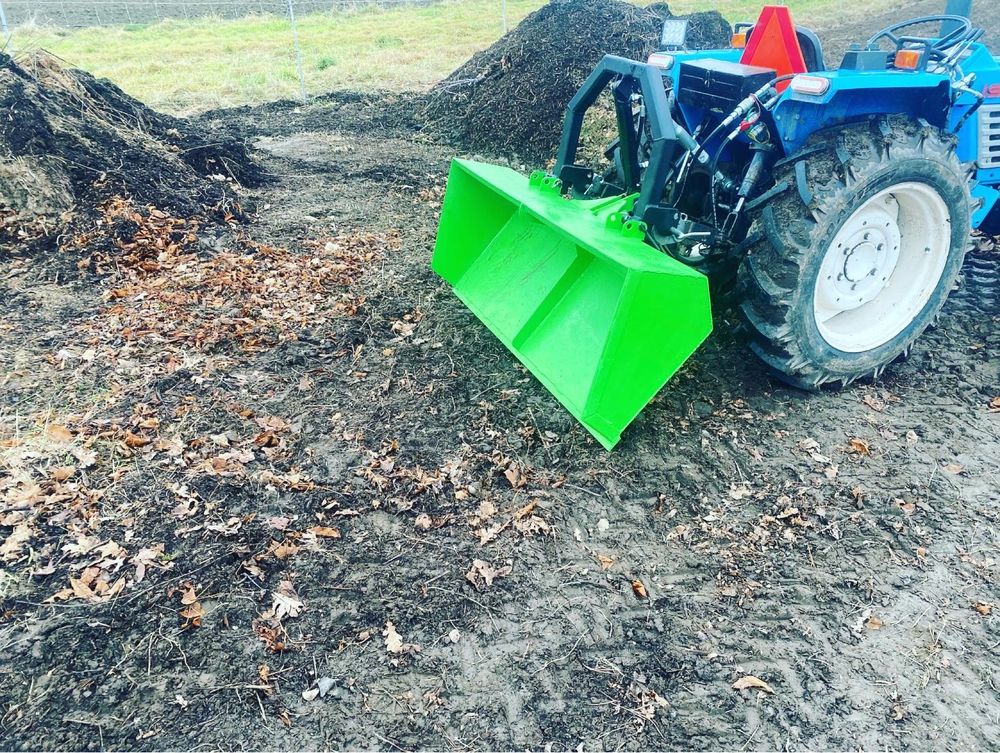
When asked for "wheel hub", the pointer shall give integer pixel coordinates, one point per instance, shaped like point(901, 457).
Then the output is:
point(861, 263)
point(867, 248)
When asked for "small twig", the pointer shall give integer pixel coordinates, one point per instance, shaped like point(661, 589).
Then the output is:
point(100, 730)
point(585, 491)
point(560, 658)
point(263, 715)
point(752, 736)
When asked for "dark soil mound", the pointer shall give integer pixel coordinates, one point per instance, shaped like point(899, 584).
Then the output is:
point(510, 98)
point(68, 141)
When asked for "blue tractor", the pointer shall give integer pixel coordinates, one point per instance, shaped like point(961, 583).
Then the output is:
point(832, 206)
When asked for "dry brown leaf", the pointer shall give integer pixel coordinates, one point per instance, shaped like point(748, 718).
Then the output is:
point(81, 589)
point(393, 640)
point(395, 645)
point(59, 433)
point(983, 607)
point(953, 468)
point(14, 543)
point(403, 329)
point(280, 522)
point(286, 602)
point(272, 423)
point(873, 402)
point(116, 588)
point(531, 525)
point(605, 560)
point(513, 475)
point(63, 472)
point(859, 447)
point(188, 595)
point(482, 573)
point(526, 510)
point(253, 568)
point(325, 532)
point(284, 550)
point(639, 589)
point(146, 558)
point(873, 623)
point(750, 682)
point(273, 636)
point(86, 458)
point(739, 491)
point(193, 614)
point(134, 440)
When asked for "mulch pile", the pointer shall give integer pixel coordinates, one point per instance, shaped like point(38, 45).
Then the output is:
point(69, 141)
point(510, 98)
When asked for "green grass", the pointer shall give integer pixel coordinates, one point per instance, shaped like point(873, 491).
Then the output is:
point(184, 66)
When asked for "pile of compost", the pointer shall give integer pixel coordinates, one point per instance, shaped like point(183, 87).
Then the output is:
point(510, 98)
point(69, 141)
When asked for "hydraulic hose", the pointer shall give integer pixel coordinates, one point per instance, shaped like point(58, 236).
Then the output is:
point(961, 86)
point(742, 109)
point(688, 142)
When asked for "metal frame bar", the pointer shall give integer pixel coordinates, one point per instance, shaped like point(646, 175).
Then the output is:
point(649, 81)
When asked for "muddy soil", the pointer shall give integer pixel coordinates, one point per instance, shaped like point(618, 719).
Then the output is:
point(273, 486)
point(380, 504)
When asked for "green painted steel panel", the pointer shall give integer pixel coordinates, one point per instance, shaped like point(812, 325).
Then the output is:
point(602, 319)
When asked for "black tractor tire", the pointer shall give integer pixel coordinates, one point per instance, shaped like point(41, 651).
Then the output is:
point(830, 178)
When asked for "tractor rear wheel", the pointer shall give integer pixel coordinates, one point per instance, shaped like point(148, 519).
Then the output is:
point(849, 265)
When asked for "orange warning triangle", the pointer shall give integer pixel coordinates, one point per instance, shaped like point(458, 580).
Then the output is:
point(774, 44)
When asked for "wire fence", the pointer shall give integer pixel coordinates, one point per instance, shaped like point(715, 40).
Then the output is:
point(23, 21)
point(86, 13)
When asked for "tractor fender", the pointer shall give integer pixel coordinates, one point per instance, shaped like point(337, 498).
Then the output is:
point(857, 96)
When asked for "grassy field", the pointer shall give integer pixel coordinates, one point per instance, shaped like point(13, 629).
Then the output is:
point(185, 66)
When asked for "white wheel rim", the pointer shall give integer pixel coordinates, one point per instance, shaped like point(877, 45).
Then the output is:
point(882, 267)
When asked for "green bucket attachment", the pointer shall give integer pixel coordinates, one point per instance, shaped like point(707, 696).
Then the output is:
point(599, 317)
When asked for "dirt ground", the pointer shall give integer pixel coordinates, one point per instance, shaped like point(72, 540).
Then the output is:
point(271, 486)
point(836, 40)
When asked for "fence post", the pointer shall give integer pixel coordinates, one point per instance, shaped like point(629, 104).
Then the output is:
point(298, 49)
point(7, 47)
point(6, 28)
